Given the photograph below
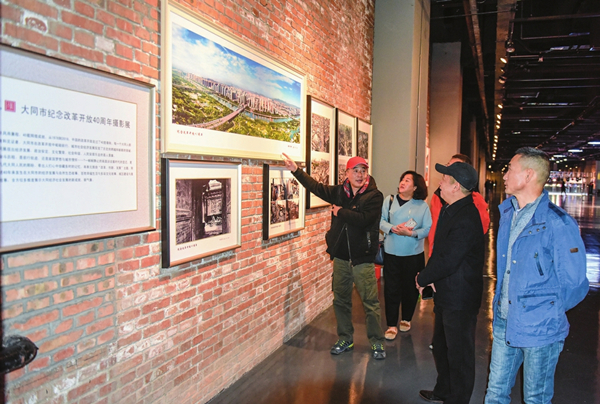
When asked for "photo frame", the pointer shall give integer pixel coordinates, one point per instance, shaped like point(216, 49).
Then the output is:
point(78, 153)
point(283, 202)
point(223, 97)
point(345, 142)
point(201, 209)
point(320, 146)
point(364, 142)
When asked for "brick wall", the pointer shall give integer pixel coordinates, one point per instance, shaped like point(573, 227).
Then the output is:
point(111, 325)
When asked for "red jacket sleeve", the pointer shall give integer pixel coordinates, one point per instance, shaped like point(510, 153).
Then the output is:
point(482, 207)
point(436, 207)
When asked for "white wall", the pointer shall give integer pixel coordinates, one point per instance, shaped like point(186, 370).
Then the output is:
point(445, 106)
point(400, 85)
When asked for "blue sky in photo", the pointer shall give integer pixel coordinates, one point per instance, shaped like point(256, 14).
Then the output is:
point(196, 54)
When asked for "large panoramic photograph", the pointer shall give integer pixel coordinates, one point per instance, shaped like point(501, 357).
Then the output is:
point(227, 98)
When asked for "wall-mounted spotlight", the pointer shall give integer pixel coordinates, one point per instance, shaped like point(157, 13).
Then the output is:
point(503, 60)
point(500, 106)
point(499, 116)
point(502, 79)
point(510, 46)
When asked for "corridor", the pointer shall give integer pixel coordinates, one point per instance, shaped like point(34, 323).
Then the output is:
point(303, 370)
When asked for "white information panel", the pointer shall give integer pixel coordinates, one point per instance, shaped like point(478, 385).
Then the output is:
point(72, 148)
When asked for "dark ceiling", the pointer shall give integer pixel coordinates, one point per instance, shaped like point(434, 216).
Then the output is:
point(547, 94)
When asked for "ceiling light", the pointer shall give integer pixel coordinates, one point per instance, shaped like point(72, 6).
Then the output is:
point(510, 46)
point(595, 142)
point(559, 155)
point(575, 150)
point(503, 60)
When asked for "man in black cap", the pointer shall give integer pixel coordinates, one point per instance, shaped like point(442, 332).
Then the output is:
point(456, 271)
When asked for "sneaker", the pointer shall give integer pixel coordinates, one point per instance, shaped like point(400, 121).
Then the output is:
point(341, 346)
point(404, 326)
point(378, 351)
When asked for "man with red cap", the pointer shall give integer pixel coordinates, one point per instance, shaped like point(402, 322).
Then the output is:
point(352, 243)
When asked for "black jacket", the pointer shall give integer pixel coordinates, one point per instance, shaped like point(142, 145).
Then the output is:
point(356, 224)
point(456, 265)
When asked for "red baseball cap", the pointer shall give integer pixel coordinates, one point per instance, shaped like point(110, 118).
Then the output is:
point(355, 161)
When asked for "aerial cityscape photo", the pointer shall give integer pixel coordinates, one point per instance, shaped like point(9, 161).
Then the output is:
point(216, 88)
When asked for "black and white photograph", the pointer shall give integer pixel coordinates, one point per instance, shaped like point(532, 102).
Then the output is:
point(346, 142)
point(320, 155)
point(365, 141)
point(201, 209)
point(283, 202)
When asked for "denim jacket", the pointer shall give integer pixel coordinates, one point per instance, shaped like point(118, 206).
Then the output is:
point(547, 274)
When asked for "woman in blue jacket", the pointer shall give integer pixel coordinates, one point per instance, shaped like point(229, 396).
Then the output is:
point(405, 221)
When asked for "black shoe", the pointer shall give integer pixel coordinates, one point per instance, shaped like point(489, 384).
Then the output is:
point(429, 396)
point(341, 346)
point(378, 351)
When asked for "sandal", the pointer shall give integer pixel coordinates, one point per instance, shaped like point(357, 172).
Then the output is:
point(391, 333)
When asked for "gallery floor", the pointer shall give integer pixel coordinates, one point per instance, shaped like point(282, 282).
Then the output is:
point(303, 370)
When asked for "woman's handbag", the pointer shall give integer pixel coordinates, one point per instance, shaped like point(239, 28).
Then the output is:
point(381, 249)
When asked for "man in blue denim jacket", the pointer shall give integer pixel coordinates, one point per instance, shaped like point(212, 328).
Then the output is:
point(541, 275)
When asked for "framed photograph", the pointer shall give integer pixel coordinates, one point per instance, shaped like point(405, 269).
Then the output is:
point(364, 142)
point(346, 142)
point(320, 150)
point(223, 97)
point(201, 209)
point(77, 152)
point(283, 202)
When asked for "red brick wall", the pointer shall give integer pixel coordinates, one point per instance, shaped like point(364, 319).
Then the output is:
point(111, 325)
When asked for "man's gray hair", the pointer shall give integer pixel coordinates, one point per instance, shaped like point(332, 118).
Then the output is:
point(537, 160)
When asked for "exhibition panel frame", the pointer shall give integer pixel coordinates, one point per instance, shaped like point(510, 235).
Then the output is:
point(77, 152)
point(224, 97)
point(345, 142)
point(283, 202)
point(320, 146)
point(201, 212)
point(364, 142)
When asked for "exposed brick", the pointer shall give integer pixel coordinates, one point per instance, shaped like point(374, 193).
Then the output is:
point(10, 13)
point(80, 307)
point(61, 341)
point(62, 268)
point(64, 326)
point(12, 311)
point(11, 279)
point(82, 22)
point(60, 30)
point(38, 8)
point(85, 39)
point(37, 273)
point(63, 354)
point(37, 304)
point(85, 9)
point(62, 297)
point(35, 257)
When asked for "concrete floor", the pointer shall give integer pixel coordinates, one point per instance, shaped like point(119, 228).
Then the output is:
point(303, 370)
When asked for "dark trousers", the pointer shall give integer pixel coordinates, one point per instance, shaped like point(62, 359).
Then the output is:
point(454, 354)
point(399, 286)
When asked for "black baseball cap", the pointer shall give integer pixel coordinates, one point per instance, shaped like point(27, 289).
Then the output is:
point(464, 173)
